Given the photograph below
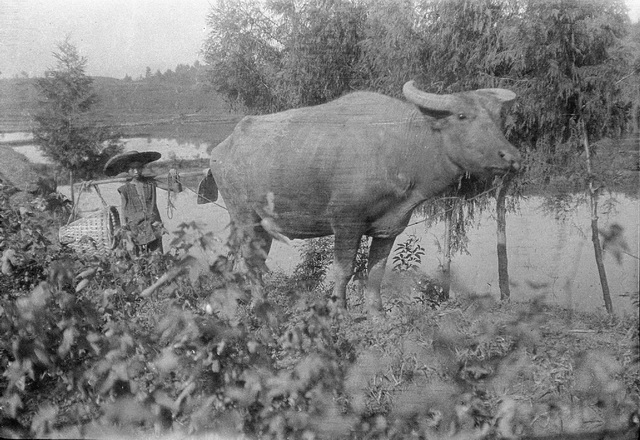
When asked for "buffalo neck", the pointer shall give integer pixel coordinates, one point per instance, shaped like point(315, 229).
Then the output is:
point(430, 168)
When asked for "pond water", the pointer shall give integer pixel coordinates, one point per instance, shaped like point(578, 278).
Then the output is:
point(547, 255)
point(169, 148)
point(17, 136)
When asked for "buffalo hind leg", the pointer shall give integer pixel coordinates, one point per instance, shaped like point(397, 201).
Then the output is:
point(378, 255)
point(345, 249)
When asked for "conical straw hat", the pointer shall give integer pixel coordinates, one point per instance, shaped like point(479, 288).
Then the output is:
point(120, 162)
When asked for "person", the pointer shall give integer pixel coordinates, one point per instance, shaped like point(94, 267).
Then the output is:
point(139, 210)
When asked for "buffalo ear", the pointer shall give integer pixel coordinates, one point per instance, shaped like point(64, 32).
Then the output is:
point(438, 117)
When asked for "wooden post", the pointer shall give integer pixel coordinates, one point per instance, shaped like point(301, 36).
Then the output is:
point(446, 266)
point(595, 238)
point(503, 262)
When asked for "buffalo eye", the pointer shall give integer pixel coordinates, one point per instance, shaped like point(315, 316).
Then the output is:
point(462, 116)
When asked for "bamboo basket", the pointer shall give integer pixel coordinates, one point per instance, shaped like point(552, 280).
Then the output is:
point(94, 234)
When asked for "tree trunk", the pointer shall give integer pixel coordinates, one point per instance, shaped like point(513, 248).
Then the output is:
point(636, 119)
point(593, 204)
point(446, 264)
point(503, 263)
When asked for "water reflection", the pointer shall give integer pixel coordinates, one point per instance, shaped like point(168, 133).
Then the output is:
point(15, 137)
point(549, 250)
point(169, 148)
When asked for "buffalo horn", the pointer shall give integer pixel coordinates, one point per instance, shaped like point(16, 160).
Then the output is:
point(502, 95)
point(426, 100)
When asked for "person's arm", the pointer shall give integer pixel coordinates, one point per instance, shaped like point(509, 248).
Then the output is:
point(123, 202)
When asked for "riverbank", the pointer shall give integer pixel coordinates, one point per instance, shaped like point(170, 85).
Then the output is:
point(16, 170)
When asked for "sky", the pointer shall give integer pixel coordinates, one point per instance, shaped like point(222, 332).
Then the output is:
point(118, 37)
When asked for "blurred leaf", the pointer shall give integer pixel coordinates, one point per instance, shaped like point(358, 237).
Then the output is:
point(82, 284)
point(43, 421)
point(168, 361)
point(224, 303)
point(68, 338)
point(595, 374)
point(128, 411)
point(94, 338)
point(197, 267)
point(12, 404)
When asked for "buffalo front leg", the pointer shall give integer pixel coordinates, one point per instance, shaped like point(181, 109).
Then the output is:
point(346, 247)
point(255, 244)
point(260, 247)
point(378, 255)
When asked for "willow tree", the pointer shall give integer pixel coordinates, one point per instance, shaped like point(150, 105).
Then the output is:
point(458, 209)
point(64, 128)
point(243, 53)
point(282, 54)
point(393, 45)
point(570, 55)
point(466, 46)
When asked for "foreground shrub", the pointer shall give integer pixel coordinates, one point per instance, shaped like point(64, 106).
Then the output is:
point(128, 345)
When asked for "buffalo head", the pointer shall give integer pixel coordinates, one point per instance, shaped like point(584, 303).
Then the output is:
point(469, 125)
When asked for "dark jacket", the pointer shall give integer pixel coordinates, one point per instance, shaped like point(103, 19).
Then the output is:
point(139, 212)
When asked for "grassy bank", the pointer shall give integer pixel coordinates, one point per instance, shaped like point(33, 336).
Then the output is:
point(88, 350)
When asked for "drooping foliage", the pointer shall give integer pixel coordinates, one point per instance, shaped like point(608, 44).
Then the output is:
point(321, 49)
point(283, 53)
point(564, 59)
point(467, 44)
point(63, 127)
point(393, 45)
point(242, 53)
point(570, 56)
point(559, 56)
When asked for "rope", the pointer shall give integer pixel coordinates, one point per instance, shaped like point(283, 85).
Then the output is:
point(83, 188)
point(172, 192)
point(74, 211)
point(99, 194)
point(477, 196)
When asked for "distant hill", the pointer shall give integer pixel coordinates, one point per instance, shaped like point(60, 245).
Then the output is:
point(144, 107)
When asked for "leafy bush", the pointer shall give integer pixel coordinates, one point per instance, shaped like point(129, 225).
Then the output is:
point(127, 345)
point(316, 255)
point(408, 254)
point(429, 291)
point(27, 244)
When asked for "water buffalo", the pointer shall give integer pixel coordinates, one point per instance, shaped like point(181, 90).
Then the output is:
point(356, 166)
